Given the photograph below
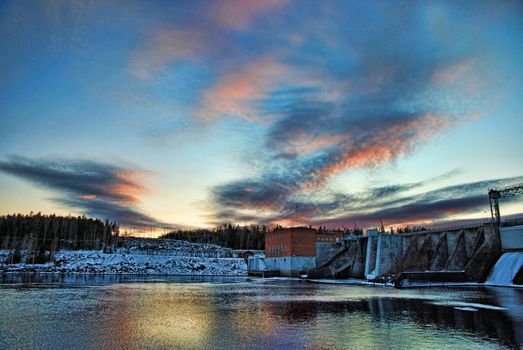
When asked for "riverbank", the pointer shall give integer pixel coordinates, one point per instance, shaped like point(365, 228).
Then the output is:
point(171, 257)
point(82, 261)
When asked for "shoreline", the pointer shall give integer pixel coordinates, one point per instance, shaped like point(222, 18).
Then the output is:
point(349, 282)
point(74, 273)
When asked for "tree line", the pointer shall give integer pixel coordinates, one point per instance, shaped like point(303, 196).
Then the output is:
point(226, 235)
point(43, 235)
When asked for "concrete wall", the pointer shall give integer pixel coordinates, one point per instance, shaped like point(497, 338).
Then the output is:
point(471, 250)
point(390, 253)
point(383, 254)
point(325, 251)
point(291, 266)
point(302, 264)
point(512, 238)
point(347, 262)
point(282, 264)
point(370, 254)
point(256, 263)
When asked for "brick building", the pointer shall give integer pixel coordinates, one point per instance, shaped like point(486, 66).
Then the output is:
point(293, 250)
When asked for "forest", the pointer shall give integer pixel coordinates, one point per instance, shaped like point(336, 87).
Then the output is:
point(226, 235)
point(39, 234)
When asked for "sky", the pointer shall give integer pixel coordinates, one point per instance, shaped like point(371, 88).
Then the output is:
point(197, 113)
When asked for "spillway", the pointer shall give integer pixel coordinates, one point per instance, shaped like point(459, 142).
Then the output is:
point(506, 269)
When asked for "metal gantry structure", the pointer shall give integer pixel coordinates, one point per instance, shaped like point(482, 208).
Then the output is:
point(495, 194)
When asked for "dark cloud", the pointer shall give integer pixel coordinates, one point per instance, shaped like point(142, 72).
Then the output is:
point(432, 205)
point(98, 189)
point(391, 203)
point(413, 212)
point(378, 193)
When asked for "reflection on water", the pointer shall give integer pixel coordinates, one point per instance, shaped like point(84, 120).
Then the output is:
point(87, 312)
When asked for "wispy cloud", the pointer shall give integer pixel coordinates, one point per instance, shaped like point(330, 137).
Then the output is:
point(395, 204)
point(439, 204)
point(101, 190)
point(239, 14)
point(201, 38)
point(235, 91)
point(164, 46)
point(329, 97)
point(349, 102)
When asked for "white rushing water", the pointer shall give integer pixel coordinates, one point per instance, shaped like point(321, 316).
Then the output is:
point(505, 269)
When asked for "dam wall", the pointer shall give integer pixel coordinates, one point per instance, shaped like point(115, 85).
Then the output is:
point(384, 252)
point(472, 250)
point(348, 262)
point(326, 250)
point(467, 253)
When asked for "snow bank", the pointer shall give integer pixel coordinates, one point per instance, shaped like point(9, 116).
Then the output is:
point(159, 246)
point(195, 262)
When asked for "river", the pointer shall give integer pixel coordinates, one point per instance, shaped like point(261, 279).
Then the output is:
point(150, 312)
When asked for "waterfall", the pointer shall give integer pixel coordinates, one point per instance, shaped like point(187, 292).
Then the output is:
point(505, 269)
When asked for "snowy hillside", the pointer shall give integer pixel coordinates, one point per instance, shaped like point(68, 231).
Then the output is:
point(161, 257)
point(159, 246)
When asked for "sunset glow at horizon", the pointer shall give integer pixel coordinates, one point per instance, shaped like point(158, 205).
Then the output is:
point(195, 113)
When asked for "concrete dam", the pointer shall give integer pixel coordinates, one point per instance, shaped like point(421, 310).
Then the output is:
point(461, 254)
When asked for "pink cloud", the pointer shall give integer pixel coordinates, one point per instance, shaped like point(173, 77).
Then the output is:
point(306, 143)
point(385, 145)
point(164, 46)
point(170, 43)
point(239, 14)
point(455, 73)
point(127, 186)
point(234, 91)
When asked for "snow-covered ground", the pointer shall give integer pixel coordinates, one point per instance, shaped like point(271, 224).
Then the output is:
point(159, 246)
point(174, 258)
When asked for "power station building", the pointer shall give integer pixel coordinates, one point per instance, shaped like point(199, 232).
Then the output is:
point(293, 251)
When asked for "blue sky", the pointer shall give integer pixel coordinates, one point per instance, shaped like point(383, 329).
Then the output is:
point(195, 113)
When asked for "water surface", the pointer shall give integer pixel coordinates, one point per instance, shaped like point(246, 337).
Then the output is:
point(137, 312)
